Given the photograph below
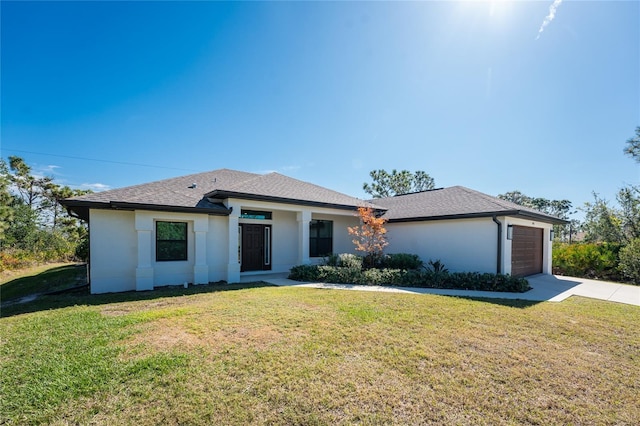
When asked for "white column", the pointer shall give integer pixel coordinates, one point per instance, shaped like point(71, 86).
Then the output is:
point(304, 218)
point(547, 251)
point(200, 267)
point(233, 267)
point(506, 247)
point(144, 270)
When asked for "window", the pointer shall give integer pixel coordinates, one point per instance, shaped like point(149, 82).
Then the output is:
point(171, 241)
point(320, 238)
point(255, 214)
point(267, 245)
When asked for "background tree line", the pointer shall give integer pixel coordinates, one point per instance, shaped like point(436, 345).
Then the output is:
point(34, 227)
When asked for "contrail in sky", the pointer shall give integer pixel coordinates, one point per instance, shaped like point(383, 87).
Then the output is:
point(549, 17)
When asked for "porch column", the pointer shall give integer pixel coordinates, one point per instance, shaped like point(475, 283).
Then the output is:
point(144, 270)
point(304, 218)
point(200, 267)
point(233, 267)
point(547, 251)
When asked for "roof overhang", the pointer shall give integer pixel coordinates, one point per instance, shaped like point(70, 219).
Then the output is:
point(223, 195)
point(80, 209)
point(510, 213)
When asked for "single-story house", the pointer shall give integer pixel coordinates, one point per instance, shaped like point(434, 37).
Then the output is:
point(225, 224)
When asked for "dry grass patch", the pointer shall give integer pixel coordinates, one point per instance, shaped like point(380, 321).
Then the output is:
point(308, 356)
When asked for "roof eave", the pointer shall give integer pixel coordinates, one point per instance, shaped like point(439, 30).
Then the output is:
point(81, 208)
point(512, 213)
point(118, 205)
point(223, 195)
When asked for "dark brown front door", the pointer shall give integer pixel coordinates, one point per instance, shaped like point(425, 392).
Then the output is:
point(526, 251)
point(254, 246)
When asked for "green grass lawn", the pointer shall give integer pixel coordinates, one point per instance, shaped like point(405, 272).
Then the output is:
point(311, 356)
point(41, 279)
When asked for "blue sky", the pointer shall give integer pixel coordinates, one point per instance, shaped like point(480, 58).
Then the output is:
point(473, 93)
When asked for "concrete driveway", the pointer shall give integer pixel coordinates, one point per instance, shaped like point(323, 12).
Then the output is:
point(549, 288)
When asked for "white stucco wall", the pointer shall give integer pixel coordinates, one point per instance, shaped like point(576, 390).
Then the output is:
point(284, 241)
point(463, 245)
point(342, 241)
point(123, 247)
point(113, 249)
point(217, 243)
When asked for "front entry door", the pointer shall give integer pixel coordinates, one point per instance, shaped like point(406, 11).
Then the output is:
point(256, 247)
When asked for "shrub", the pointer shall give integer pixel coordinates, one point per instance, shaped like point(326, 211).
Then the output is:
point(338, 274)
point(347, 260)
point(410, 278)
point(382, 276)
point(630, 261)
point(332, 260)
point(304, 273)
point(589, 260)
point(404, 261)
point(16, 259)
point(437, 267)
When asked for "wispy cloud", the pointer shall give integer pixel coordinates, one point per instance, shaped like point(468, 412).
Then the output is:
point(39, 171)
point(549, 17)
point(96, 187)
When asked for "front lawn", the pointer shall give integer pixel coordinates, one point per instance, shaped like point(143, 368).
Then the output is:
point(310, 356)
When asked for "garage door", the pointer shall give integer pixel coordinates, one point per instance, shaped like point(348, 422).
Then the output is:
point(526, 251)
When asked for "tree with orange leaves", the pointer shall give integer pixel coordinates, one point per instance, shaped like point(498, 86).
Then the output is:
point(370, 236)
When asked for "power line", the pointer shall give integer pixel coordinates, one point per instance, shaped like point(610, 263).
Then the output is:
point(98, 160)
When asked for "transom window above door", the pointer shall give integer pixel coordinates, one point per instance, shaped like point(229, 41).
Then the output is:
point(255, 214)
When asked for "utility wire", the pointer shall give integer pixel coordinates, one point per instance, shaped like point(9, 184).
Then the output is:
point(98, 160)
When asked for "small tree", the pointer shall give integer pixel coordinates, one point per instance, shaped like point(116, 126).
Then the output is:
point(369, 237)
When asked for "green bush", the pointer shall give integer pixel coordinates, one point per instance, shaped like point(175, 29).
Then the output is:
point(410, 278)
point(629, 265)
point(347, 260)
point(338, 274)
point(589, 260)
point(404, 261)
point(305, 273)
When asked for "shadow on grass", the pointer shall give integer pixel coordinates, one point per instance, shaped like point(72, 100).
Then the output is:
point(49, 280)
point(79, 297)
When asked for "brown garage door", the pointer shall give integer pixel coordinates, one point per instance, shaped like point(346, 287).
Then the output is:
point(526, 251)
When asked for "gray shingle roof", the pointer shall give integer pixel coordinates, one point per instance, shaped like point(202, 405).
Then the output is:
point(181, 193)
point(454, 202)
point(277, 187)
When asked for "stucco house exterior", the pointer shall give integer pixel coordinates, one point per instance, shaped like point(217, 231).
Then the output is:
point(470, 231)
point(225, 224)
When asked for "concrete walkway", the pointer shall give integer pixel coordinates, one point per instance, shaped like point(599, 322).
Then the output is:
point(550, 288)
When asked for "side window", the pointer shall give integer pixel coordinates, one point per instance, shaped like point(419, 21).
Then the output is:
point(171, 241)
point(320, 238)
